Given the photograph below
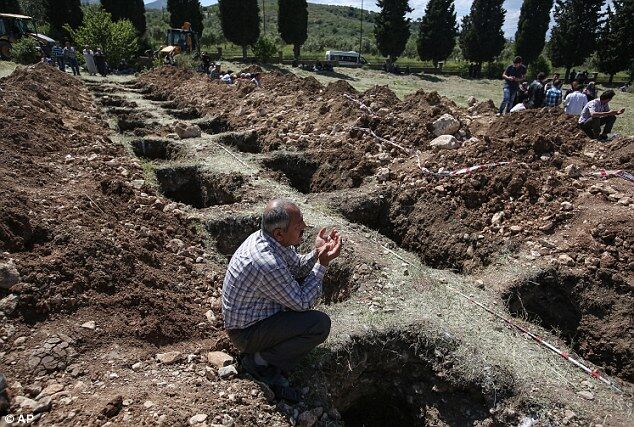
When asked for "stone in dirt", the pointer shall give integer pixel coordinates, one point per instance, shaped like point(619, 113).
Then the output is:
point(43, 405)
point(197, 419)
point(472, 101)
point(219, 359)
point(89, 325)
point(310, 418)
point(9, 275)
point(169, 357)
point(588, 395)
point(53, 355)
point(447, 142)
point(8, 304)
point(113, 407)
point(446, 125)
point(227, 372)
point(573, 171)
point(187, 131)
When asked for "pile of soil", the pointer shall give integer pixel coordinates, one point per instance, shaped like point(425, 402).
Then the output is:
point(81, 235)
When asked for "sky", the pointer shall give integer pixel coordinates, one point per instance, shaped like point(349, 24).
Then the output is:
point(462, 8)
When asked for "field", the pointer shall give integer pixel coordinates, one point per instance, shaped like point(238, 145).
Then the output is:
point(122, 200)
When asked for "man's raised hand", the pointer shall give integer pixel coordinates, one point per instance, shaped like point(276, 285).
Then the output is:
point(330, 250)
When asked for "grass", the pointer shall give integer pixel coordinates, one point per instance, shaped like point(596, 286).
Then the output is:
point(6, 68)
point(457, 89)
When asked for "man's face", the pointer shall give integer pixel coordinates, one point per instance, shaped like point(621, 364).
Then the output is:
point(295, 232)
point(517, 64)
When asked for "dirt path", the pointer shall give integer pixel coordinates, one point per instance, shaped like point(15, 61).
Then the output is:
point(405, 347)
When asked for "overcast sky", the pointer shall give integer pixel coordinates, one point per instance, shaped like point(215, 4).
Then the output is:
point(462, 8)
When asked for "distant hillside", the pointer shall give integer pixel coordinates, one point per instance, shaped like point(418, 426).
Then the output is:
point(158, 4)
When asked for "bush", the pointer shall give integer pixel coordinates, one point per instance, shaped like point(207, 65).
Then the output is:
point(117, 40)
point(540, 65)
point(264, 49)
point(25, 51)
point(493, 70)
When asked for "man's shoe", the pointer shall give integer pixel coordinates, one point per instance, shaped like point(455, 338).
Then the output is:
point(269, 374)
point(603, 137)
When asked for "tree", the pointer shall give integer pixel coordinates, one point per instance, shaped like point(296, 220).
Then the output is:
point(61, 13)
point(182, 11)
point(391, 28)
point(623, 29)
point(292, 23)
point(437, 31)
point(481, 37)
point(132, 10)
point(34, 8)
point(10, 6)
point(611, 58)
point(530, 37)
point(573, 38)
point(240, 22)
point(118, 40)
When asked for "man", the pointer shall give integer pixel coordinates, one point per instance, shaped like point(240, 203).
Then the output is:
point(70, 56)
point(553, 95)
point(513, 75)
point(597, 113)
point(58, 54)
point(522, 93)
point(268, 294)
point(536, 92)
point(575, 101)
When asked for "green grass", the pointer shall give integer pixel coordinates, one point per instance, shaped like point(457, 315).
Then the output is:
point(457, 89)
point(6, 68)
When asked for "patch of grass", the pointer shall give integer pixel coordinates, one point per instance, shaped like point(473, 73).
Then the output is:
point(6, 68)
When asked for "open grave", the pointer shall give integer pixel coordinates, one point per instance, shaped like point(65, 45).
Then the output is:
point(156, 149)
point(230, 232)
point(197, 188)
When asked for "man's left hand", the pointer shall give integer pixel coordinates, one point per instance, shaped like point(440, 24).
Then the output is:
point(323, 237)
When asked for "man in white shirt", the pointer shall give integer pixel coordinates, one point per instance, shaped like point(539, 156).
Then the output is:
point(597, 113)
point(575, 101)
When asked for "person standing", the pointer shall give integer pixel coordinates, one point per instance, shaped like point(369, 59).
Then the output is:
point(553, 95)
point(70, 55)
point(597, 113)
point(89, 57)
point(590, 91)
point(58, 54)
point(536, 92)
point(575, 101)
point(100, 62)
point(513, 76)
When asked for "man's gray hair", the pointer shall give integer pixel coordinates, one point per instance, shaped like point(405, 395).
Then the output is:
point(276, 215)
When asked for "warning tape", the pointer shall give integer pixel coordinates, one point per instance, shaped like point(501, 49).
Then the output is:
point(608, 173)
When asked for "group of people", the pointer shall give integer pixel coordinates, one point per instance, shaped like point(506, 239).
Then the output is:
point(579, 100)
point(67, 56)
point(230, 77)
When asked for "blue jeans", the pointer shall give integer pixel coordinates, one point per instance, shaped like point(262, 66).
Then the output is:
point(509, 99)
point(74, 65)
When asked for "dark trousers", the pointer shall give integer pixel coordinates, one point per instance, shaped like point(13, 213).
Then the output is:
point(60, 63)
point(74, 65)
point(593, 126)
point(284, 338)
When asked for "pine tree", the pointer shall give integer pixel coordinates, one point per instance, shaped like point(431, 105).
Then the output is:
point(132, 10)
point(573, 38)
point(481, 37)
point(611, 58)
point(182, 11)
point(391, 28)
point(437, 31)
point(623, 28)
point(530, 37)
point(10, 6)
point(240, 22)
point(292, 23)
point(62, 12)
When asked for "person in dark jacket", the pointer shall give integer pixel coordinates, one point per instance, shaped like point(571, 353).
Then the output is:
point(536, 92)
point(100, 62)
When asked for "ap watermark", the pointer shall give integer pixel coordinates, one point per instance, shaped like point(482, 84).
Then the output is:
point(19, 419)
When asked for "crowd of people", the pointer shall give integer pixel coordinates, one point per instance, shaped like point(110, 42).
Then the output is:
point(594, 114)
point(63, 57)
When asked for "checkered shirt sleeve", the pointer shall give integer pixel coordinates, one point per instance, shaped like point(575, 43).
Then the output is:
point(263, 278)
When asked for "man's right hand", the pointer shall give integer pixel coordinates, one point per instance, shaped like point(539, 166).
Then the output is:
point(330, 250)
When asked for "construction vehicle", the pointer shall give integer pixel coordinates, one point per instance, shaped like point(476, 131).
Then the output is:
point(14, 27)
point(180, 40)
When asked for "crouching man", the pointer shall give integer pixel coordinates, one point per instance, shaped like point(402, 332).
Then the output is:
point(269, 292)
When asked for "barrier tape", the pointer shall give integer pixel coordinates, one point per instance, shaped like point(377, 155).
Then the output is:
point(608, 173)
point(594, 373)
point(359, 103)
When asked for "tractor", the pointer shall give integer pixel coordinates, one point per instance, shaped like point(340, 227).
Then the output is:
point(14, 27)
point(180, 40)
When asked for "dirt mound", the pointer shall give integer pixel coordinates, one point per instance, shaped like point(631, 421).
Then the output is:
point(252, 69)
point(81, 235)
point(338, 88)
point(379, 97)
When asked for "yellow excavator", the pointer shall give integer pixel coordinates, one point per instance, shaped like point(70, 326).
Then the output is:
point(180, 40)
point(13, 27)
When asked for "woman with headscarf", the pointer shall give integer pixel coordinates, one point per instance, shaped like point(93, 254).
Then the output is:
point(90, 61)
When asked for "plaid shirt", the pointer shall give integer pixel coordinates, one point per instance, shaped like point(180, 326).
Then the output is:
point(263, 279)
point(553, 97)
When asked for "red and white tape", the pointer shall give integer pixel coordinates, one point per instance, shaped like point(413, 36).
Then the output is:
point(608, 173)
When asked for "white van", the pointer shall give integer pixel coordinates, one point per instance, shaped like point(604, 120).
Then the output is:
point(345, 58)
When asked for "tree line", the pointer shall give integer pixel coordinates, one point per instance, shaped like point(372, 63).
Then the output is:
point(580, 28)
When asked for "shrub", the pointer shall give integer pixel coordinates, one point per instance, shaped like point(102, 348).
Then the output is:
point(493, 70)
point(117, 40)
point(541, 64)
point(264, 49)
point(25, 51)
